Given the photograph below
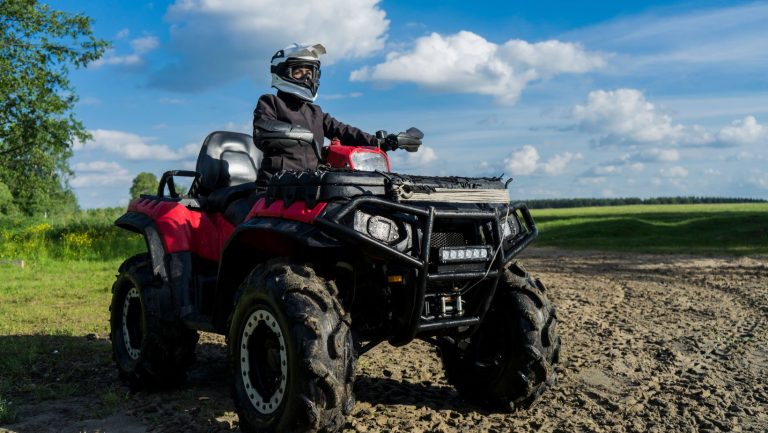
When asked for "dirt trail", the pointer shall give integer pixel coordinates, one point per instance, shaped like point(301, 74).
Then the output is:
point(650, 344)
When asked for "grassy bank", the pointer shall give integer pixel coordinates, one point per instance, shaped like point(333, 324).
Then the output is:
point(89, 235)
point(707, 229)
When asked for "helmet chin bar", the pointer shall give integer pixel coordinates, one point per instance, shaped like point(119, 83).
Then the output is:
point(297, 90)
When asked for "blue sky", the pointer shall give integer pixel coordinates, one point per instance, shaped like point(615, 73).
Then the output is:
point(597, 99)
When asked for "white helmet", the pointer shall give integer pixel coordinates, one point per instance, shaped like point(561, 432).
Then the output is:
point(291, 58)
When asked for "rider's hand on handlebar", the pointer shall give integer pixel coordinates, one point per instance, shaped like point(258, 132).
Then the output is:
point(409, 140)
point(389, 143)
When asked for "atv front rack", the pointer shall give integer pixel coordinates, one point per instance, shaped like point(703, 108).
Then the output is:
point(426, 216)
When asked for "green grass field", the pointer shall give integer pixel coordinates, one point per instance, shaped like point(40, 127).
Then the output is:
point(706, 229)
point(49, 313)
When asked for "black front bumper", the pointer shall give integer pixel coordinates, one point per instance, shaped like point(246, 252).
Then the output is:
point(426, 216)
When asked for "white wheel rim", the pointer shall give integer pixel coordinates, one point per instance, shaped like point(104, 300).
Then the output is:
point(259, 402)
point(132, 294)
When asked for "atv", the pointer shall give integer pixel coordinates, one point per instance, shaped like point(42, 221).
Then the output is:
point(307, 274)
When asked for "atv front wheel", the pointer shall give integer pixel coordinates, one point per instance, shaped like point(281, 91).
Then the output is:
point(149, 352)
point(509, 361)
point(291, 352)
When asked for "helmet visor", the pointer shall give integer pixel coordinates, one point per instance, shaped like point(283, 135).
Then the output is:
point(298, 70)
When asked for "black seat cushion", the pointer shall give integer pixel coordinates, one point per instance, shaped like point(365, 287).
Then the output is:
point(227, 159)
point(228, 163)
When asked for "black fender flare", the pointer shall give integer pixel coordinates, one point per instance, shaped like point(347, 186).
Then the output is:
point(144, 225)
point(258, 240)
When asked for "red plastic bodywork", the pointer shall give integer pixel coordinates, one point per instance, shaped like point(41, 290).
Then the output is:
point(205, 234)
point(182, 229)
point(340, 156)
point(296, 212)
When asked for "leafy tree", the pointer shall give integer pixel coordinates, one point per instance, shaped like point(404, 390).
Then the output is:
point(144, 183)
point(147, 183)
point(7, 206)
point(38, 127)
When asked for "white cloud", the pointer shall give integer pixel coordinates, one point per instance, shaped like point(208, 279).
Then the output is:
point(625, 117)
point(675, 171)
point(606, 170)
point(98, 174)
point(657, 155)
point(525, 160)
point(557, 164)
point(97, 167)
point(89, 100)
point(144, 44)
point(113, 59)
point(522, 161)
point(425, 155)
point(712, 172)
point(407, 160)
point(98, 180)
point(760, 179)
point(747, 156)
point(745, 131)
point(335, 96)
point(591, 180)
point(467, 63)
point(140, 46)
point(134, 147)
point(244, 34)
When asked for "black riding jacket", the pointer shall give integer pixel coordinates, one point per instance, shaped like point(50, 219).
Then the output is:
point(298, 155)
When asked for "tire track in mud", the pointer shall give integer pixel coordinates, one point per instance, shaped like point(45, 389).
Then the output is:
point(650, 343)
point(682, 365)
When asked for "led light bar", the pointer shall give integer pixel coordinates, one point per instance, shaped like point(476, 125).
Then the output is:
point(464, 254)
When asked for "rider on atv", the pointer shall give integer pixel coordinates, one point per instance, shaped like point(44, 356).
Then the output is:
point(296, 76)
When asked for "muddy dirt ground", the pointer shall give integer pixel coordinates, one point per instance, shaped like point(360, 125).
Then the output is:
point(650, 344)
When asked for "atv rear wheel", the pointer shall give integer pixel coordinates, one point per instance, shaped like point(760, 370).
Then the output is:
point(149, 352)
point(291, 352)
point(509, 361)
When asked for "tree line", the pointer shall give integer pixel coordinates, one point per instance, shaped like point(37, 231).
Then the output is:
point(588, 202)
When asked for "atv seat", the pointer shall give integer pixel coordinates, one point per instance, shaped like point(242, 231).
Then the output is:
point(228, 163)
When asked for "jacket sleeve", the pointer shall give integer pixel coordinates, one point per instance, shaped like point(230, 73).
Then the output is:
point(265, 110)
point(349, 135)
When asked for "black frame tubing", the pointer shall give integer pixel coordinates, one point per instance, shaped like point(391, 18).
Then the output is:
point(168, 176)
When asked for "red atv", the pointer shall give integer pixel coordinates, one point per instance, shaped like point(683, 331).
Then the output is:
point(309, 273)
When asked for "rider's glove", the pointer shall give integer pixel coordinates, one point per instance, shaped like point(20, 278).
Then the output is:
point(409, 140)
point(389, 143)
